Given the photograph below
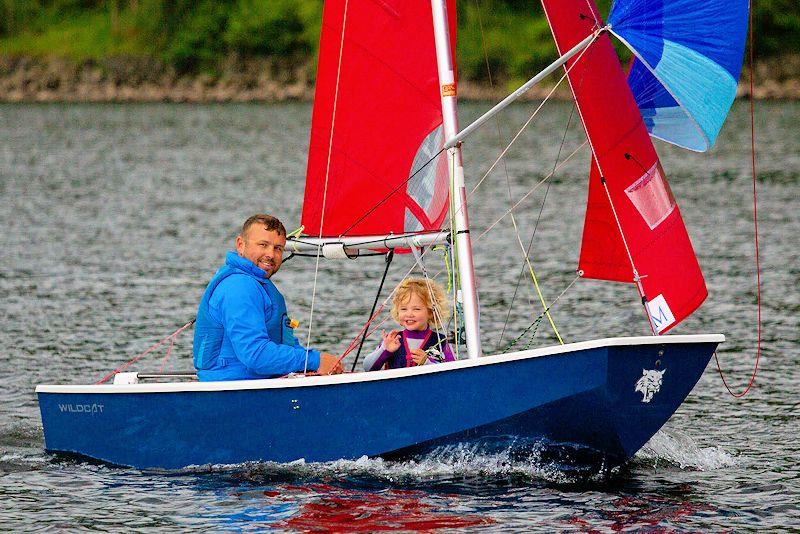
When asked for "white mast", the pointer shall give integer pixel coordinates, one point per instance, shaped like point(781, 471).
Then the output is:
point(463, 243)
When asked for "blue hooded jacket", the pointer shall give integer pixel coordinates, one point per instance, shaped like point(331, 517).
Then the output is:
point(242, 329)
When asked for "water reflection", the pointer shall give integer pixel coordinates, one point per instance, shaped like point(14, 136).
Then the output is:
point(641, 512)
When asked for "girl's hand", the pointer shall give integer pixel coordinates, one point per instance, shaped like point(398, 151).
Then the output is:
point(419, 356)
point(391, 340)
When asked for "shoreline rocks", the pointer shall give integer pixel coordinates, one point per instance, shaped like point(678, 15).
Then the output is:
point(144, 79)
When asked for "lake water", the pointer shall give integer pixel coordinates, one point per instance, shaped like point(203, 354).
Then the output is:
point(115, 216)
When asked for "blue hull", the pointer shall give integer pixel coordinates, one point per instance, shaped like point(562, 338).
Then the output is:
point(582, 394)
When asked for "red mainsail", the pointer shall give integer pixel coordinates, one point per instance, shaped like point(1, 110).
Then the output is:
point(378, 92)
point(633, 230)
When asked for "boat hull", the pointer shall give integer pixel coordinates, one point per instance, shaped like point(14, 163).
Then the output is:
point(590, 395)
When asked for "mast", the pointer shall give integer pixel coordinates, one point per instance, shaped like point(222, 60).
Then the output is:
point(463, 242)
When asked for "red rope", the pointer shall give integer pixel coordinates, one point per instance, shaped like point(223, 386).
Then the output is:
point(170, 338)
point(755, 226)
point(167, 355)
point(356, 339)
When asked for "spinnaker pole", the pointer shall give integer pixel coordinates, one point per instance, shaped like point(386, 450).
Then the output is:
point(447, 85)
point(524, 88)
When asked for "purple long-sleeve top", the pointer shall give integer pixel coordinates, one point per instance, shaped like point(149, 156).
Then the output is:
point(411, 339)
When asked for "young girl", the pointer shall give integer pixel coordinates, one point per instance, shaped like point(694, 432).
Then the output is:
point(417, 304)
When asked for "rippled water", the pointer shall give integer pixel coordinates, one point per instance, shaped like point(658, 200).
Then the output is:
point(114, 217)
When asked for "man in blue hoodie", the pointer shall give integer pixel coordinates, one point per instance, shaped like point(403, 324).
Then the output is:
point(243, 331)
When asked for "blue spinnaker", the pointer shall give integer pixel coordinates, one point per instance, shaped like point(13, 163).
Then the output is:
point(688, 57)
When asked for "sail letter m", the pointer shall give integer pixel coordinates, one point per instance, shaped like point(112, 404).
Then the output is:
point(660, 314)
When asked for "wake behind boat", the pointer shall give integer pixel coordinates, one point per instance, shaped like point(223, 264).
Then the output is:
point(385, 174)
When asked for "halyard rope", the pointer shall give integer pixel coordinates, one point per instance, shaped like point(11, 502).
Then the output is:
point(325, 190)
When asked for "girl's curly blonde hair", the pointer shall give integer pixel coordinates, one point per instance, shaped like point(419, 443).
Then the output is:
point(430, 293)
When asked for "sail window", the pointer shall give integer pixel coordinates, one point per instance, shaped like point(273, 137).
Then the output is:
point(652, 196)
point(428, 188)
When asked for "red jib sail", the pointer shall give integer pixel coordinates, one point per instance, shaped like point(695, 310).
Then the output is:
point(633, 230)
point(378, 92)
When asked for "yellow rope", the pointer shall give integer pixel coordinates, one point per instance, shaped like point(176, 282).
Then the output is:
point(446, 256)
point(296, 233)
point(541, 299)
point(545, 307)
point(454, 248)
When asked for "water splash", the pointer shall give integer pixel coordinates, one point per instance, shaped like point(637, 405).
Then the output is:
point(682, 450)
point(500, 460)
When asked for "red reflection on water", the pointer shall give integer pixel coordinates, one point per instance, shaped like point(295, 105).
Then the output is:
point(338, 509)
point(661, 515)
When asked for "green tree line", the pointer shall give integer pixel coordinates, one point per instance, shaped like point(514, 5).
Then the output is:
point(511, 36)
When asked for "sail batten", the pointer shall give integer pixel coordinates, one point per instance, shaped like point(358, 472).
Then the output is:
point(380, 171)
point(633, 230)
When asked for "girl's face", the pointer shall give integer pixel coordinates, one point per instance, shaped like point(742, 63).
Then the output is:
point(413, 314)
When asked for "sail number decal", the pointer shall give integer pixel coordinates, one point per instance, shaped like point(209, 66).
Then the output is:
point(660, 314)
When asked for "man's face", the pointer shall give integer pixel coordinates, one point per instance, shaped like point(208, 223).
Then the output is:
point(263, 247)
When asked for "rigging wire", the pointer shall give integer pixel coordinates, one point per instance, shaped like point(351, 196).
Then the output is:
point(389, 258)
point(538, 320)
point(453, 254)
point(508, 186)
point(454, 249)
point(744, 392)
point(395, 190)
point(545, 306)
point(536, 112)
point(454, 271)
point(502, 157)
point(536, 225)
point(593, 12)
point(530, 192)
point(636, 278)
point(452, 210)
point(325, 189)
point(355, 341)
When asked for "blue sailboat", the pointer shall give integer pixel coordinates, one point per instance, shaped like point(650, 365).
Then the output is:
point(390, 185)
point(608, 396)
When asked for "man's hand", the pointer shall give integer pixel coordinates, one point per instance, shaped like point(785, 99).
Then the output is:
point(329, 364)
point(391, 340)
point(419, 356)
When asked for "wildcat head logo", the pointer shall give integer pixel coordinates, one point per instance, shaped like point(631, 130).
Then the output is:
point(649, 384)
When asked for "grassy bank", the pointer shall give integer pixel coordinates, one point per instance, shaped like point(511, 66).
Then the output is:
point(499, 40)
